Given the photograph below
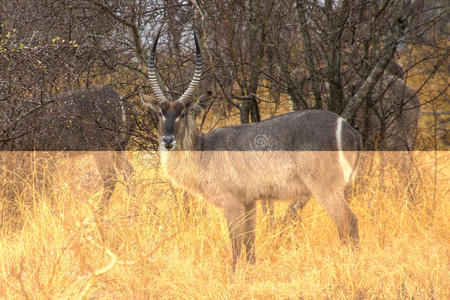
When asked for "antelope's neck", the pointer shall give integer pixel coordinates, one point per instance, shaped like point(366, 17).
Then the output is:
point(183, 169)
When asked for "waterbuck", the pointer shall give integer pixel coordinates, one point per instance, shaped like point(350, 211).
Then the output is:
point(312, 152)
point(387, 120)
point(94, 121)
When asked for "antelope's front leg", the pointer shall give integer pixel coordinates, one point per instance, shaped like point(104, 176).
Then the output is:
point(241, 228)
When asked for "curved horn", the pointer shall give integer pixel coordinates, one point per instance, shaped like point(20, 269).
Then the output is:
point(189, 93)
point(152, 73)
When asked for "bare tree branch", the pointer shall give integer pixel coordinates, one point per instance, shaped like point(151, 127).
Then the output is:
point(377, 71)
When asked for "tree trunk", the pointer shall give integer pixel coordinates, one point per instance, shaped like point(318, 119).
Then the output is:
point(306, 39)
point(249, 108)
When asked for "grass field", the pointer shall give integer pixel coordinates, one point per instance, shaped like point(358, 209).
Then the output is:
point(148, 245)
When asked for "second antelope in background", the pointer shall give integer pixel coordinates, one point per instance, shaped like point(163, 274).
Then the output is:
point(91, 121)
point(306, 152)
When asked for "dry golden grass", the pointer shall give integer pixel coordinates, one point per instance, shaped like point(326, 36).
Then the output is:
point(147, 247)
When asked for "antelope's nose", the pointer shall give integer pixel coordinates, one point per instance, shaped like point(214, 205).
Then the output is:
point(168, 141)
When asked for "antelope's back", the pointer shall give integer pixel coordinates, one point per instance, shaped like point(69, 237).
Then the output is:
point(390, 122)
point(309, 130)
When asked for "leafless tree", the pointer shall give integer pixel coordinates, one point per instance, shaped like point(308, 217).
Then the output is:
point(335, 55)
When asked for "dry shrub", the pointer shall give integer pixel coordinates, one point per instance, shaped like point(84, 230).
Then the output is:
point(63, 251)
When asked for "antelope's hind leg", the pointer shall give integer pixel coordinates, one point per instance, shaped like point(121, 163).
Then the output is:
point(109, 164)
point(125, 168)
point(106, 168)
point(333, 201)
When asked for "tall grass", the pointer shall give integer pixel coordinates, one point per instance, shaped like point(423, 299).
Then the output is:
point(148, 246)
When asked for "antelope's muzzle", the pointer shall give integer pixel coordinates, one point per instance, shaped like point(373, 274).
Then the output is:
point(168, 141)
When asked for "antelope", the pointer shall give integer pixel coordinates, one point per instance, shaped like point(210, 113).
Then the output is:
point(313, 152)
point(85, 121)
point(388, 121)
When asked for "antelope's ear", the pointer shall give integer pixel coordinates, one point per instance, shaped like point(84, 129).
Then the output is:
point(149, 101)
point(202, 102)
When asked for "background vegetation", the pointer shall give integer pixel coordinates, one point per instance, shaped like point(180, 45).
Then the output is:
point(310, 54)
point(261, 58)
point(147, 246)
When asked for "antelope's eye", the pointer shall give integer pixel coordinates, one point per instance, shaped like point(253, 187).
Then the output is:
point(180, 117)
